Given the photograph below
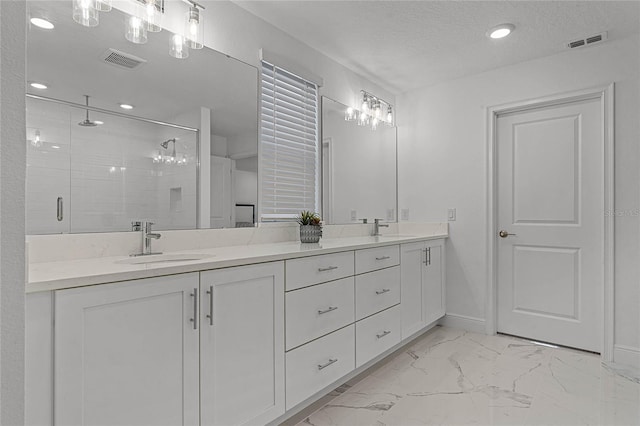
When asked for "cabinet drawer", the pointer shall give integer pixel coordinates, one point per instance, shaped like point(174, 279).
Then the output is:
point(376, 291)
point(315, 311)
point(317, 269)
point(377, 258)
point(316, 365)
point(376, 334)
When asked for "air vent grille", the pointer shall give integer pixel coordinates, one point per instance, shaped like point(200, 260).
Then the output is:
point(122, 59)
point(587, 40)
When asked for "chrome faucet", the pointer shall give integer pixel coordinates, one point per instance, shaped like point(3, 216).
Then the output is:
point(377, 225)
point(147, 236)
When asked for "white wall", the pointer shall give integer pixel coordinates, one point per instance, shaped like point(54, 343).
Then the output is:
point(442, 164)
point(12, 171)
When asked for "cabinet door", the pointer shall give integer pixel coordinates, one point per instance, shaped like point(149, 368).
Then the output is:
point(411, 265)
point(242, 345)
point(433, 283)
point(127, 353)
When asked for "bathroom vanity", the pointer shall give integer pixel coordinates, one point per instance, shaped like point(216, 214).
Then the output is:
point(241, 335)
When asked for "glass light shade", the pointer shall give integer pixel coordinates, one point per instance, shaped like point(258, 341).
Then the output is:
point(103, 5)
point(179, 48)
point(389, 116)
point(363, 119)
point(152, 17)
point(194, 29)
point(374, 123)
point(136, 30)
point(350, 114)
point(85, 13)
point(365, 104)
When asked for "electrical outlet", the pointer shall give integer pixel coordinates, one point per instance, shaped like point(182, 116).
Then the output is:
point(451, 215)
point(391, 214)
point(354, 215)
point(404, 214)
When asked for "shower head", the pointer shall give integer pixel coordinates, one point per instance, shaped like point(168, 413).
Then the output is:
point(166, 143)
point(86, 122)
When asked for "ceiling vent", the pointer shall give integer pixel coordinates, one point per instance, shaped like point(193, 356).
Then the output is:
point(587, 41)
point(122, 60)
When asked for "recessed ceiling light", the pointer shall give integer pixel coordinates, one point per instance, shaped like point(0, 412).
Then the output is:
point(500, 31)
point(126, 106)
point(40, 86)
point(42, 23)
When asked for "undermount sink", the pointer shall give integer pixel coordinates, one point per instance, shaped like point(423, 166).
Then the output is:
point(396, 236)
point(163, 258)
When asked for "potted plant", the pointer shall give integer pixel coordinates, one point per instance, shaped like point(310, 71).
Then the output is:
point(310, 227)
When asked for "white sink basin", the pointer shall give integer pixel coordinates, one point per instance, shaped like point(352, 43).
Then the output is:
point(163, 258)
point(396, 236)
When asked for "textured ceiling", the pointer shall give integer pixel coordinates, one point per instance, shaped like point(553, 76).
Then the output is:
point(402, 45)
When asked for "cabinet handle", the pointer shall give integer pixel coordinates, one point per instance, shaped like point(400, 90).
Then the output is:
point(328, 268)
point(195, 308)
point(384, 333)
point(383, 258)
point(210, 315)
point(383, 291)
point(425, 256)
point(329, 309)
point(429, 256)
point(60, 209)
point(328, 363)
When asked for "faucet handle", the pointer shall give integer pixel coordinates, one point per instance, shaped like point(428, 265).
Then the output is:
point(364, 220)
point(136, 226)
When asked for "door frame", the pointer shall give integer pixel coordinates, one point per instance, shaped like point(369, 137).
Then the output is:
point(605, 94)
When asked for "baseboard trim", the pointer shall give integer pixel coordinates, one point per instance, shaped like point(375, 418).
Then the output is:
point(464, 322)
point(627, 356)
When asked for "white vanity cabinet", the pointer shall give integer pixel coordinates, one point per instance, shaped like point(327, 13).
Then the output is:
point(127, 353)
point(422, 288)
point(242, 345)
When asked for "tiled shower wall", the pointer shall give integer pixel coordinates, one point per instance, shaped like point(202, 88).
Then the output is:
point(106, 175)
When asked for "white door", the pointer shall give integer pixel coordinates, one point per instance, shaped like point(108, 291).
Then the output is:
point(432, 279)
point(221, 192)
point(413, 259)
point(127, 353)
point(550, 195)
point(242, 345)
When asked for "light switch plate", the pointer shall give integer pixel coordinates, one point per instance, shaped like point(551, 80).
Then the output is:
point(354, 215)
point(451, 215)
point(391, 214)
point(404, 214)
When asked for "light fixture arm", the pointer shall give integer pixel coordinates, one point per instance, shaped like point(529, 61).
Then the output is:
point(194, 4)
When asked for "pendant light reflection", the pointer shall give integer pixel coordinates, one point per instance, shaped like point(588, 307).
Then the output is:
point(85, 13)
point(179, 48)
point(194, 27)
point(371, 113)
point(136, 30)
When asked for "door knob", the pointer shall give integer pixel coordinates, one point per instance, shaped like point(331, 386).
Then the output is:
point(504, 234)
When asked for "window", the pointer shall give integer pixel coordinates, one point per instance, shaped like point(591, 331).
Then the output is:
point(289, 144)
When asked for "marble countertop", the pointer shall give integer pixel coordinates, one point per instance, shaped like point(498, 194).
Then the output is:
point(45, 276)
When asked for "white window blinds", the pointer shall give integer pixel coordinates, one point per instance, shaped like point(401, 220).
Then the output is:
point(289, 143)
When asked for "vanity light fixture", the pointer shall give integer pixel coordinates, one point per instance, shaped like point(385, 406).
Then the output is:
point(194, 27)
point(103, 5)
point(39, 86)
point(179, 48)
point(36, 142)
point(126, 106)
point(42, 23)
point(371, 112)
point(136, 30)
point(501, 31)
point(85, 12)
point(152, 16)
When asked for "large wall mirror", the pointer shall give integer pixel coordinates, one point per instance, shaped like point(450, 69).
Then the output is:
point(99, 167)
point(358, 168)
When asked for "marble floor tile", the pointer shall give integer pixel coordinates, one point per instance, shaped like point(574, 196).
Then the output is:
point(453, 377)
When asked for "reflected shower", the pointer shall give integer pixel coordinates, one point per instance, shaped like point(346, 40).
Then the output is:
point(86, 122)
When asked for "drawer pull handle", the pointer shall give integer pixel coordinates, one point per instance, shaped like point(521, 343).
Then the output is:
point(384, 333)
point(383, 291)
point(329, 309)
point(328, 363)
point(383, 258)
point(328, 268)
